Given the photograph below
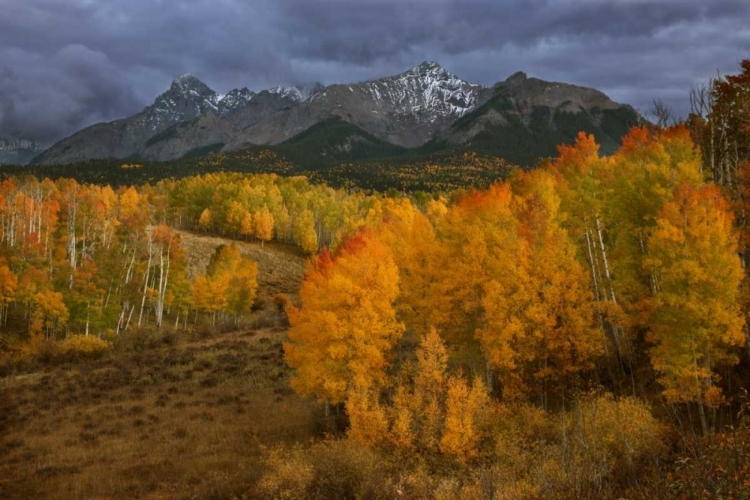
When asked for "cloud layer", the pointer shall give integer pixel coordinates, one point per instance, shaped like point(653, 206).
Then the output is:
point(65, 64)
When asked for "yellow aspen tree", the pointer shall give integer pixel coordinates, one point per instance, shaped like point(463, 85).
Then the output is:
point(429, 389)
point(411, 238)
point(243, 287)
point(304, 232)
point(246, 226)
point(465, 409)
point(368, 423)
point(540, 320)
point(263, 224)
point(477, 237)
point(234, 216)
point(402, 419)
point(8, 285)
point(49, 313)
point(694, 318)
point(205, 221)
point(341, 339)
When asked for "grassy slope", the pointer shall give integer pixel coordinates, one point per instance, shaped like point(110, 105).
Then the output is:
point(185, 419)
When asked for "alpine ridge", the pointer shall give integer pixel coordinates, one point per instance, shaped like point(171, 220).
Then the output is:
point(425, 106)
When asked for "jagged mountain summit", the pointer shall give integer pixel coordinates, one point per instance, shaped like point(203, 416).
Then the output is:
point(425, 105)
point(405, 110)
point(187, 100)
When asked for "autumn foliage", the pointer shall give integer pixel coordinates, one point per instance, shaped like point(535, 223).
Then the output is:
point(589, 272)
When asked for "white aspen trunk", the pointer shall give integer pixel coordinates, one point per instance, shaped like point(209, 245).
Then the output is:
point(120, 320)
point(128, 274)
point(72, 241)
point(163, 281)
point(604, 259)
point(145, 281)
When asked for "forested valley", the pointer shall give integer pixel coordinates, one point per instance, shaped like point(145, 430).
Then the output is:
point(576, 330)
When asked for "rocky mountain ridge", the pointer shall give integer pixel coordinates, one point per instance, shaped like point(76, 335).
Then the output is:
point(424, 105)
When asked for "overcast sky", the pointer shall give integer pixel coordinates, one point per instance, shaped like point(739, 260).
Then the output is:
point(65, 64)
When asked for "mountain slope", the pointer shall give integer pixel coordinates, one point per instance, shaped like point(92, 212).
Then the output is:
point(335, 140)
point(187, 100)
point(527, 118)
point(405, 110)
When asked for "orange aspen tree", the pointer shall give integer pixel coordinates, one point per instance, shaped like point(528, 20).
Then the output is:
point(466, 409)
point(694, 317)
point(342, 337)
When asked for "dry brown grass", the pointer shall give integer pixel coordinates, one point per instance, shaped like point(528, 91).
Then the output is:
point(280, 266)
point(182, 421)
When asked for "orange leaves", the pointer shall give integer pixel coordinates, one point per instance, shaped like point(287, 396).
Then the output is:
point(342, 337)
point(694, 317)
point(465, 406)
point(579, 155)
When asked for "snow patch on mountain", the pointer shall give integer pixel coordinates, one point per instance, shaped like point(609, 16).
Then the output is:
point(427, 91)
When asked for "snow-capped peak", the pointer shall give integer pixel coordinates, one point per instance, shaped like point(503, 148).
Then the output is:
point(292, 93)
point(427, 91)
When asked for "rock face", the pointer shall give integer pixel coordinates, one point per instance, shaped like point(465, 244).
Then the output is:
point(187, 100)
point(18, 151)
point(405, 110)
point(527, 118)
point(426, 103)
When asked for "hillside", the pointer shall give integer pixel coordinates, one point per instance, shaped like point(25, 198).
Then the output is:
point(280, 266)
point(527, 118)
point(163, 415)
point(393, 168)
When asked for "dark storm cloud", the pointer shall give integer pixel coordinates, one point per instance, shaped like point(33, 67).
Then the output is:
point(65, 64)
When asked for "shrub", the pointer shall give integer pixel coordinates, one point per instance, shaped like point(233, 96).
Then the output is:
point(83, 346)
point(605, 439)
point(330, 469)
point(289, 475)
point(147, 337)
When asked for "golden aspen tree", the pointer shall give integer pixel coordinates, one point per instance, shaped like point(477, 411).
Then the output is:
point(263, 224)
point(342, 337)
point(477, 235)
point(694, 320)
point(368, 423)
point(246, 226)
point(304, 232)
point(466, 408)
point(436, 209)
point(205, 221)
point(429, 389)
point(411, 238)
point(243, 286)
point(540, 321)
point(48, 313)
point(230, 284)
point(235, 214)
point(8, 285)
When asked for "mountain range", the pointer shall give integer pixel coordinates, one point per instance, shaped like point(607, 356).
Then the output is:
point(424, 109)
